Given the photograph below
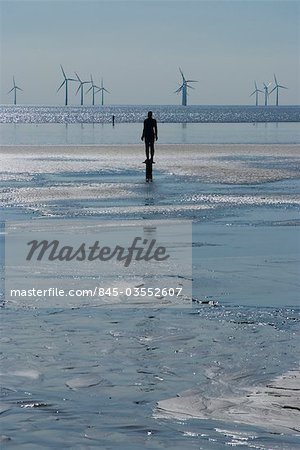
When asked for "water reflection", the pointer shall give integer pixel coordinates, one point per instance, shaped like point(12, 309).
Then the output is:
point(169, 133)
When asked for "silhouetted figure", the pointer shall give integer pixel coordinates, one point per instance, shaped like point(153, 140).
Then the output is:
point(113, 120)
point(149, 135)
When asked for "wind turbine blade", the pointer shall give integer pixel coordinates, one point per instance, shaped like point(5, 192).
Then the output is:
point(78, 88)
point(63, 71)
point(254, 92)
point(11, 90)
point(106, 90)
point(269, 84)
point(191, 81)
point(275, 79)
point(182, 74)
point(92, 79)
point(273, 90)
point(61, 85)
point(89, 89)
point(255, 85)
point(178, 90)
point(78, 77)
point(17, 87)
point(283, 87)
point(191, 87)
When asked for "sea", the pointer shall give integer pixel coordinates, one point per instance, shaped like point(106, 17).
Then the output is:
point(91, 376)
point(73, 125)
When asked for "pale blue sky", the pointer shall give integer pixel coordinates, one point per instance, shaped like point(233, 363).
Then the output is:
point(137, 47)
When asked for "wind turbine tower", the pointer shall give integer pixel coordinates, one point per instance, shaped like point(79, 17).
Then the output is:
point(15, 88)
point(277, 87)
point(266, 89)
point(184, 87)
point(92, 88)
point(65, 82)
point(81, 87)
point(102, 89)
point(256, 91)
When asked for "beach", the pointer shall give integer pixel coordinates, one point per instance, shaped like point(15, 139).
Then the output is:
point(224, 163)
point(149, 304)
point(221, 370)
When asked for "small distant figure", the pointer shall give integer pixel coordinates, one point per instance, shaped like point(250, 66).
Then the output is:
point(149, 135)
point(113, 120)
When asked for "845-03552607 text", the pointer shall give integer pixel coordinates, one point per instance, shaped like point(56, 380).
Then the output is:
point(99, 291)
point(58, 263)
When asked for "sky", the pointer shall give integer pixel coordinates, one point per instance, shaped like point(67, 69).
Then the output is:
point(138, 46)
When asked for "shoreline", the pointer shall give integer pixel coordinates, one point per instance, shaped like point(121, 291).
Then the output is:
point(141, 144)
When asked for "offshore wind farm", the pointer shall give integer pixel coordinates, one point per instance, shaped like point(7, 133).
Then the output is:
point(183, 89)
point(141, 63)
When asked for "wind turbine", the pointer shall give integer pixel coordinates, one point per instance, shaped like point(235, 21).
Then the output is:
point(93, 87)
point(277, 87)
point(102, 89)
point(266, 89)
point(66, 84)
point(256, 91)
point(15, 88)
point(81, 85)
point(183, 88)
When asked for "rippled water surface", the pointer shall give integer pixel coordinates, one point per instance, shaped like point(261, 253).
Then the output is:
point(44, 125)
point(135, 113)
point(91, 377)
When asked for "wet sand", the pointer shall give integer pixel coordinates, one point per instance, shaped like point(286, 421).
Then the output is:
point(244, 201)
point(238, 163)
point(275, 406)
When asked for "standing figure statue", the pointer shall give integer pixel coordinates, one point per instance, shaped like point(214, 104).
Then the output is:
point(149, 135)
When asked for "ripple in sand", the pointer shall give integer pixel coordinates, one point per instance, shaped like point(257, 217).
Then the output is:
point(275, 407)
point(86, 381)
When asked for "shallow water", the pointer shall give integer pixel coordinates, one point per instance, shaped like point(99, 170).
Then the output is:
point(91, 377)
point(129, 360)
point(137, 113)
point(129, 133)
